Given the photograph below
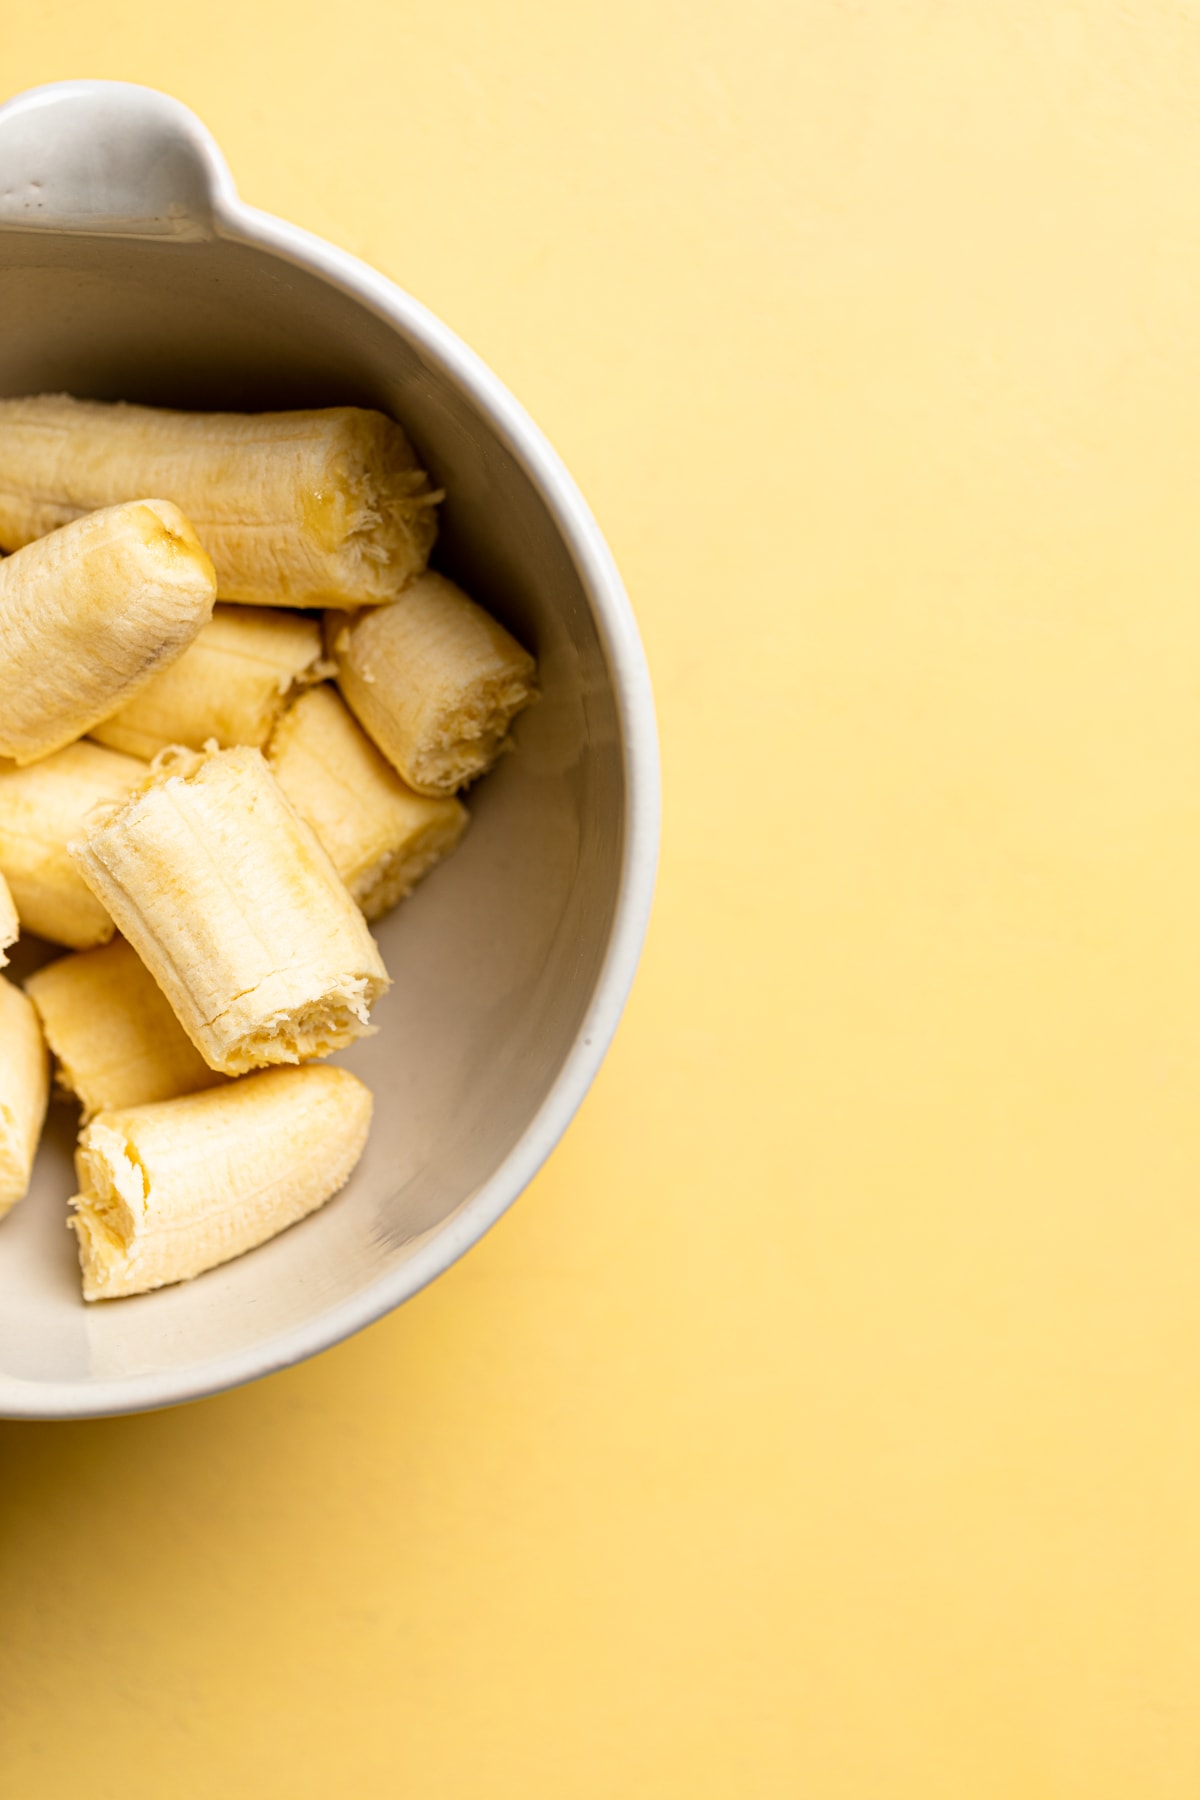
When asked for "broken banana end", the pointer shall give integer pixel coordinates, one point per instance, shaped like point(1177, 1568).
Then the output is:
point(169, 1190)
point(381, 836)
point(434, 680)
point(236, 910)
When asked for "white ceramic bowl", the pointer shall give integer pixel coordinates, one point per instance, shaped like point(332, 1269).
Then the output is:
point(130, 269)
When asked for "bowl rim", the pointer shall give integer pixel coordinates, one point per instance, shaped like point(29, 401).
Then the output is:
point(621, 645)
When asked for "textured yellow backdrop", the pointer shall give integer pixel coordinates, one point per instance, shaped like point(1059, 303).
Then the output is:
point(824, 1424)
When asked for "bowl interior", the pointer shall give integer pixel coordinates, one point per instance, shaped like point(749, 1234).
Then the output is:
point(496, 956)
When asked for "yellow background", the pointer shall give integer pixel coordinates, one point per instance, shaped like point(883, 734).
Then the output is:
point(825, 1421)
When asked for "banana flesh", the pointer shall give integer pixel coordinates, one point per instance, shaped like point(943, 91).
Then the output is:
point(236, 910)
point(41, 809)
point(168, 1190)
point(115, 1039)
point(381, 837)
point(230, 687)
point(90, 614)
point(434, 680)
point(322, 508)
point(24, 1091)
point(9, 924)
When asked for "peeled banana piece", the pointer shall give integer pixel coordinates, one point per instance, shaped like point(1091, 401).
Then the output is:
point(382, 837)
point(434, 680)
point(230, 687)
point(115, 1039)
point(89, 614)
point(323, 508)
point(9, 923)
point(236, 910)
point(24, 1091)
point(168, 1190)
point(41, 809)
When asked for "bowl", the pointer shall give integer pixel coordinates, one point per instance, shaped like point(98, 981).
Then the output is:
point(130, 269)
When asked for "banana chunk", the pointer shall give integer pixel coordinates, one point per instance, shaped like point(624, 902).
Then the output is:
point(381, 836)
point(320, 508)
point(230, 687)
point(435, 681)
point(236, 910)
point(41, 809)
point(9, 923)
point(169, 1190)
point(89, 615)
point(24, 1091)
point(115, 1039)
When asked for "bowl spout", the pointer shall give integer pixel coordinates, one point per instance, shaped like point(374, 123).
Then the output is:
point(109, 158)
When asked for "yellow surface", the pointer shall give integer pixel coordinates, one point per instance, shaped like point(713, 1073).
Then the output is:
point(825, 1422)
